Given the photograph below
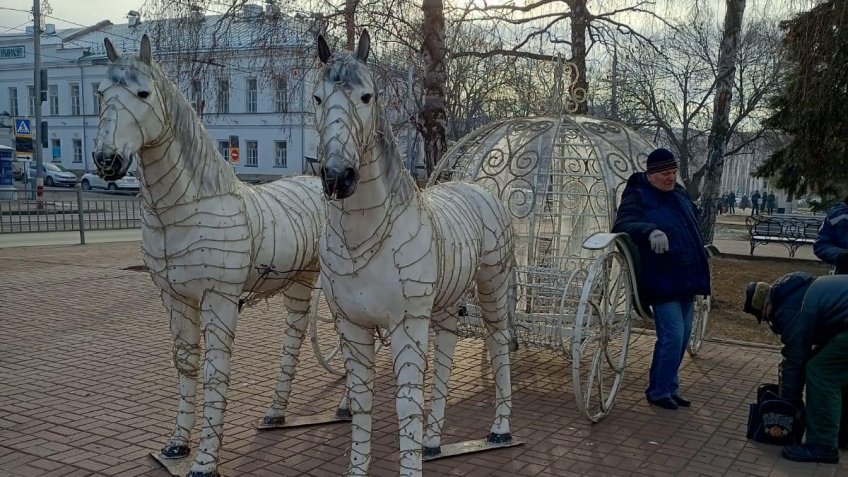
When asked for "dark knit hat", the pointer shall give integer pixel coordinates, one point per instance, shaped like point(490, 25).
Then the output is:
point(660, 160)
point(755, 299)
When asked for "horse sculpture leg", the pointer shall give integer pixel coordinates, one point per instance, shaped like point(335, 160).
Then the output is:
point(185, 329)
point(409, 349)
point(219, 314)
point(358, 350)
point(298, 297)
point(494, 297)
point(444, 345)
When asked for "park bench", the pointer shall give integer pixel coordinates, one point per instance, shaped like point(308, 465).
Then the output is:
point(791, 231)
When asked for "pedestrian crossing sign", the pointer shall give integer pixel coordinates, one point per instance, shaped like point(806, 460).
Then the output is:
point(22, 128)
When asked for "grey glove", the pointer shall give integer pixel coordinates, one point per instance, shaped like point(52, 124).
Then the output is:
point(659, 241)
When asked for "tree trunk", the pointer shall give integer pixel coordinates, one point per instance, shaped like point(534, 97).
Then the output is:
point(719, 132)
point(434, 111)
point(350, 23)
point(579, 24)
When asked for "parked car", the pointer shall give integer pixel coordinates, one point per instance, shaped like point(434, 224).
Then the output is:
point(54, 174)
point(93, 181)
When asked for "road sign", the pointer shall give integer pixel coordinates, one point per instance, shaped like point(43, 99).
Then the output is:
point(234, 156)
point(23, 128)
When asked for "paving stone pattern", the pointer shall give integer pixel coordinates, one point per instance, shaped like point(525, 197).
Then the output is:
point(87, 388)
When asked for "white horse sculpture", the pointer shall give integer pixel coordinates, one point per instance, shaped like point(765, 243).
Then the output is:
point(207, 239)
point(394, 258)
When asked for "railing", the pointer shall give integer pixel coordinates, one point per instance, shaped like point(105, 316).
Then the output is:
point(69, 211)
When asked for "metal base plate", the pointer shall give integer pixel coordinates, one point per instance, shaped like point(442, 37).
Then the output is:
point(470, 447)
point(175, 467)
point(303, 421)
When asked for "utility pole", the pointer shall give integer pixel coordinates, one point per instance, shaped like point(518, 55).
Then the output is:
point(36, 143)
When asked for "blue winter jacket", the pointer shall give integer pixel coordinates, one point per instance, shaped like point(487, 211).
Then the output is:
point(833, 234)
point(806, 312)
point(681, 272)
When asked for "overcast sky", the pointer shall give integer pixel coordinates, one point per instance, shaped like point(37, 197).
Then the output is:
point(14, 14)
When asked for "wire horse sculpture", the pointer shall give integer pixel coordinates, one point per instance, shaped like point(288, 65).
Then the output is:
point(207, 239)
point(398, 259)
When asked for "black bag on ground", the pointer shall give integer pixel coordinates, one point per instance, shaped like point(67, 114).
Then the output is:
point(774, 420)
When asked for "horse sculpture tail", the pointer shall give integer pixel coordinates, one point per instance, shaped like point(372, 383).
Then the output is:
point(511, 305)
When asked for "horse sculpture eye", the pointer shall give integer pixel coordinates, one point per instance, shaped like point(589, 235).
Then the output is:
point(143, 94)
point(317, 99)
point(366, 98)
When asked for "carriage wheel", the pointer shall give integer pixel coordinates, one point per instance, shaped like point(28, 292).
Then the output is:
point(323, 334)
point(602, 335)
point(699, 324)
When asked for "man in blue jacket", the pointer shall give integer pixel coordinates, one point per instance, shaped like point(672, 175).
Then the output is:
point(661, 219)
point(832, 243)
point(811, 316)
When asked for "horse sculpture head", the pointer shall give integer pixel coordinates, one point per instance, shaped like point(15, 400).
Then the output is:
point(345, 115)
point(131, 111)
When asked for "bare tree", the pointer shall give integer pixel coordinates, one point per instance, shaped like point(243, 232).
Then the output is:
point(668, 90)
point(722, 104)
point(540, 28)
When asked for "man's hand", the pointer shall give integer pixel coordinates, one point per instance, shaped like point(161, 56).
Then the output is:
point(659, 241)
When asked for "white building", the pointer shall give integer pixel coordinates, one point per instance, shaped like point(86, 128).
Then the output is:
point(246, 80)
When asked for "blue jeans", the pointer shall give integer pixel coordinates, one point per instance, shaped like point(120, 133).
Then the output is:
point(673, 321)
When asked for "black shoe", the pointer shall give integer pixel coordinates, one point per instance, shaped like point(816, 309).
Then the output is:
point(681, 401)
point(665, 403)
point(811, 453)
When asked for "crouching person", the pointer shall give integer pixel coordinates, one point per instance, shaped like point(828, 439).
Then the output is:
point(811, 316)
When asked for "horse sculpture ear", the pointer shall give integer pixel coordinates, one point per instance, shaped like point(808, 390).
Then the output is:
point(110, 50)
point(364, 46)
point(146, 53)
point(323, 50)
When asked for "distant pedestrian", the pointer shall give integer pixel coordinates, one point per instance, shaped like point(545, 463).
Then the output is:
point(770, 200)
point(755, 203)
point(745, 203)
point(731, 202)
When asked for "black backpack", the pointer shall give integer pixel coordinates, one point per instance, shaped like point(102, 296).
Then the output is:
point(774, 420)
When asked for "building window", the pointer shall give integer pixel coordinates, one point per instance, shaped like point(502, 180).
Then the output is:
point(223, 96)
point(54, 99)
point(252, 94)
point(56, 149)
point(224, 149)
point(31, 92)
point(281, 102)
point(95, 103)
point(13, 101)
point(252, 154)
point(197, 95)
point(281, 154)
point(77, 150)
point(75, 99)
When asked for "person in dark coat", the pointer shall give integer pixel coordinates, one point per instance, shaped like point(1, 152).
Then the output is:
point(832, 242)
point(660, 217)
point(770, 202)
point(755, 203)
point(811, 316)
point(731, 202)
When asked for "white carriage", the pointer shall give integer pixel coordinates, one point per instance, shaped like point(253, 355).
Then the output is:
point(562, 178)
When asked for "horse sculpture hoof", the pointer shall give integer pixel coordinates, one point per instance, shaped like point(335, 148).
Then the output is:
point(273, 421)
point(432, 451)
point(343, 413)
point(499, 438)
point(175, 451)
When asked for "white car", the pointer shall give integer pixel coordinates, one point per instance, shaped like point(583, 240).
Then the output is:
point(53, 174)
point(93, 181)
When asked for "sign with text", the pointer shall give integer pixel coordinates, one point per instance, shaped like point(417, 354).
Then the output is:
point(12, 52)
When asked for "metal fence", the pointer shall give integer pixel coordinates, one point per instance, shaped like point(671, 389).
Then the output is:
point(69, 211)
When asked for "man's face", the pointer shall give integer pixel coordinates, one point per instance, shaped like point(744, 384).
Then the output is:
point(664, 180)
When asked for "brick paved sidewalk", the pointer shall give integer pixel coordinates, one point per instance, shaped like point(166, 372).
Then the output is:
point(87, 388)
